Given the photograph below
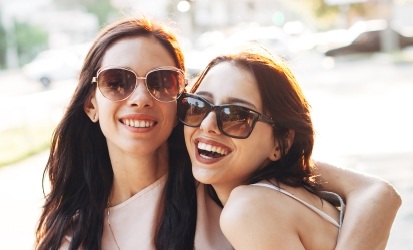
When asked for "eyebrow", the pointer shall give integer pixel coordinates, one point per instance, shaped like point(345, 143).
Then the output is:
point(230, 100)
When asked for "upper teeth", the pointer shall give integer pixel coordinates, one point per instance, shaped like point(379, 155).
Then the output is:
point(212, 148)
point(137, 123)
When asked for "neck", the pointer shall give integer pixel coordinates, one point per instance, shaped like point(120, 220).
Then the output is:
point(223, 192)
point(133, 173)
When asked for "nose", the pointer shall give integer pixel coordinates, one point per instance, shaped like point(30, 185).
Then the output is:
point(140, 96)
point(210, 124)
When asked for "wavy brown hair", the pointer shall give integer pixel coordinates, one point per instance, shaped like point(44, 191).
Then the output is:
point(80, 171)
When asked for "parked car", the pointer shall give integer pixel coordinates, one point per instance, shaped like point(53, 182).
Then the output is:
point(367, 38)
point(55, 65)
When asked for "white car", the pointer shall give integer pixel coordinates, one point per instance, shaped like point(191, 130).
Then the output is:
point(55, 65)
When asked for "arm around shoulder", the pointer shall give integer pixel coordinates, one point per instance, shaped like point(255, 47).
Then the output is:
point(371, 206)
point(369, 217)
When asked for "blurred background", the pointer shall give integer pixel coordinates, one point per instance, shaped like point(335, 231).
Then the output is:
point(353, 58)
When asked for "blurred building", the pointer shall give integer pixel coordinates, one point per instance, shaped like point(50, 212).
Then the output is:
point(64, 27)
point(193, 17)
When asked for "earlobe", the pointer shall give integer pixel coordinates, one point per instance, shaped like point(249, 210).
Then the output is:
point(91, 109)
point(275, 154)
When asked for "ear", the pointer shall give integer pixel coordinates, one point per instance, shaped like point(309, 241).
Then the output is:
point(275, 153)
point(91, 108)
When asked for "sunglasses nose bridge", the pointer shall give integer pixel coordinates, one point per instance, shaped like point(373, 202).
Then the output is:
point(143, 79)
point(142, 92)
point(210, 122)
point(140, 78)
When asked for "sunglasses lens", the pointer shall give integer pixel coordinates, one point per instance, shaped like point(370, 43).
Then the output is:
point(165, 85)
point(116, 84)
point(236, 121)
point(192, 111)
point(233, 121)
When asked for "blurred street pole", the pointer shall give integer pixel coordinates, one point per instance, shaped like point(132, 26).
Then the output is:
point(343, 18)
point(12, 60)
point(389, 40)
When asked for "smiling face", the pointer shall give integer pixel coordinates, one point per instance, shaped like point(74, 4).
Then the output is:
point(140, 124)
point(234, 159)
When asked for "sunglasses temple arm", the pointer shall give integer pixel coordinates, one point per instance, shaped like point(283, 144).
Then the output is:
point(266, 120)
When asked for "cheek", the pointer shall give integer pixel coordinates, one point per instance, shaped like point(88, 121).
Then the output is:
point(106, 111)
point(260, 144)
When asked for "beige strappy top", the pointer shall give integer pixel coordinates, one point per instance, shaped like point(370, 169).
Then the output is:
point(329, 196)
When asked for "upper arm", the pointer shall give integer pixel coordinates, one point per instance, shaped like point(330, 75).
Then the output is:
point(250, 222)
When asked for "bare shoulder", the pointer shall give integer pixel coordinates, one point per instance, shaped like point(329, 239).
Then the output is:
point(254, 202)
point(239, 204)
point(254, 218)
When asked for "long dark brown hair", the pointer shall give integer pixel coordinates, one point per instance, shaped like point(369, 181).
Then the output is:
point(284, 101)
point(80, 171)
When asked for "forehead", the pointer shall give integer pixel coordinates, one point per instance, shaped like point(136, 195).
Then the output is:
point(139, 53)
point(228, 80)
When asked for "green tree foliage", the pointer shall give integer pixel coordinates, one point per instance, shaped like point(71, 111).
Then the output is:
point(29, 41)
point(103, 9)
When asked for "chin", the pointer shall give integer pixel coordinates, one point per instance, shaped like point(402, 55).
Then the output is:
point(202, 175)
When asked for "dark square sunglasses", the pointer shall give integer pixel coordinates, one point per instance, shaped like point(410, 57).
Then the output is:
point(165, 84)
point(233, 120)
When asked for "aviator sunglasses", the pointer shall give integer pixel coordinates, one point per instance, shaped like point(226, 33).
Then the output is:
point(233, 120)
point(165, 84)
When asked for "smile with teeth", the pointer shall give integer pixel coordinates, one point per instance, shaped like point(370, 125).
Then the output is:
point(138, 123)
point(211, 151)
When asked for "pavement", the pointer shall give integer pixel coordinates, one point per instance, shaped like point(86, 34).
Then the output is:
point(21, 199)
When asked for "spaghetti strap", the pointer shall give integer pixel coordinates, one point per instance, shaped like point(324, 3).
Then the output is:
point(324, 194)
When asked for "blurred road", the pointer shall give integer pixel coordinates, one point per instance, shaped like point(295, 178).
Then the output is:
point(361, 111)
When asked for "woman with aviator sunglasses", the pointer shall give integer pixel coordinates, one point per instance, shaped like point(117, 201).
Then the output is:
point(118, 168)
point(250, 137)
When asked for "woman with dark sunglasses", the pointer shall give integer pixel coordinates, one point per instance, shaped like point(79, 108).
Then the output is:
point(119, 172)
point(250, 138)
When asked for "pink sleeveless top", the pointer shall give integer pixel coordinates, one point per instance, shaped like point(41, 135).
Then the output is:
point(133, 221)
